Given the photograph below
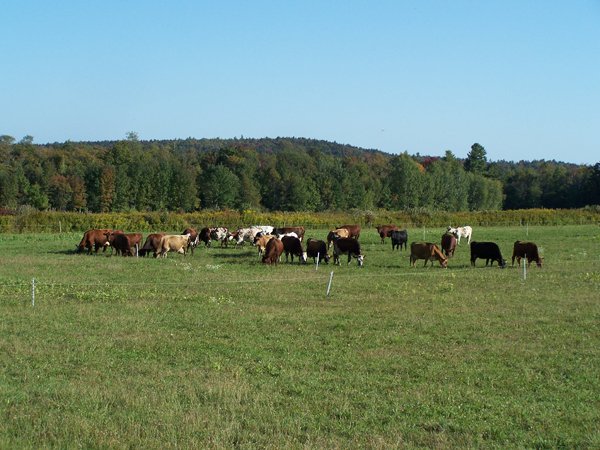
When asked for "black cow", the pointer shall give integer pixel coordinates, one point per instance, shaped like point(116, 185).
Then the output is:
point(488, 251)
point(292, 246)
point(349, 246)
point(399, 238)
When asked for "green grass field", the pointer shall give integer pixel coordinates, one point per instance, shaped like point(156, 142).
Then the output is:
point(219, 351)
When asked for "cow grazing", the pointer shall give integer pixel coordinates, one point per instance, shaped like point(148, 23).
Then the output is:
point(220, 234)
point(194, 238)
point(459, 232)
point(281, 231)
point(448, 244)
point(152, 244)
point(399, 238)
point(293, 247)
point(427, 251)
point(124, 244)
point(273, 251)
point(261, 242)
point(95, 239)
point(173, 243)
point(529, 250)
point(349, 246)
point(353, 230)
point(488, 251)
point(315, 248)
point(204, 236)
point(386, 231)
point(336, 234)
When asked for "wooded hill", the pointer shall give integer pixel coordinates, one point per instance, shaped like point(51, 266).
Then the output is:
point(280, 174)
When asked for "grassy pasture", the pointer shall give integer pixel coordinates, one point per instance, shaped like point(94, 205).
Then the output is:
point(217, 350)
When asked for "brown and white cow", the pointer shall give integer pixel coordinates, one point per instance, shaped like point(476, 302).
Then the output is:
point(220, 234)
point(261, 242)
point(386, 231)
point(273, 251)
point(427, 251)
point(316, 248)
point(353, 230)
point(95, 239)
point(336, 234)
point(292, 246)
point(152, 244)
point(529, 250)
point(347, 246)
point(281, 231)
point(173, 243)
point(194, 238)
point(448, 244)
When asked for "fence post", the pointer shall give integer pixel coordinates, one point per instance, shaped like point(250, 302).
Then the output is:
point(318, 257)
point(33, 292)
point(329, 285)
point(525, 267)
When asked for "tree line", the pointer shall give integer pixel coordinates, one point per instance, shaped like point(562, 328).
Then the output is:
point(280, 174)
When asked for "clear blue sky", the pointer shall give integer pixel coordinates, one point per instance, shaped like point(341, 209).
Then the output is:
point(522, 78)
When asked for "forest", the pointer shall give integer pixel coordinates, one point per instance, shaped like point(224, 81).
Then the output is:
point(276, 174)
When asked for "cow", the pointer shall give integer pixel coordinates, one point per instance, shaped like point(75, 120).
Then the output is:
point(529, 250)
point(385, 231)
point(427, 251)
point(315, 248)
point(242, 235)
point(152, 244)
point(399, 238)
point(349, 246)
point(273, 251)
point(95, 239)
point(194, 238)
point(261, 242)
point(281, 231)
point(353, 230)
point(173, 243)
point(336, 234)
point(448, 244)
point(124, 244)
point(264, 229)
point(220, 234)
point(459, 232)
point(204, 236)
point(292, 246)
point(488, 251)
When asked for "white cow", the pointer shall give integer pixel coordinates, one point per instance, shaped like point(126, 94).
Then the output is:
point(459, 232)
point(173, 243)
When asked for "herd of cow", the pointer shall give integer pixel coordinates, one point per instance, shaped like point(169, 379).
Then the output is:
point(273, 242)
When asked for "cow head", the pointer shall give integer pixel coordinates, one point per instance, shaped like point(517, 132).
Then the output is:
point(304, 257)
point(444, 263)
point(502, 263)
point(361, 260)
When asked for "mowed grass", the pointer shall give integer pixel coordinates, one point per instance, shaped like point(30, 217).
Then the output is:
point(217, 350)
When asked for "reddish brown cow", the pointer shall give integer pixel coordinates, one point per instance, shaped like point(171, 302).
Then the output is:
point(522, 249)
point(124, 244)
point(448, 244)
point(273, 251)
point(386, 231)
point(427, 251)
point(194, 238)
point(95, 238)
point(353, 230)
point(152, 244)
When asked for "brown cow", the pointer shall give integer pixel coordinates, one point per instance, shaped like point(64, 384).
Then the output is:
point(316, 248)
point(427, 251)
point(529, 250)
point(386, 231)
point(95, 238)
point(124, 244)
point(448, 244)
point(152, 244)
point(273, 251)
point(173, 243)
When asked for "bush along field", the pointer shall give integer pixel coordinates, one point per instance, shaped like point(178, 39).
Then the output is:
point(219, 350)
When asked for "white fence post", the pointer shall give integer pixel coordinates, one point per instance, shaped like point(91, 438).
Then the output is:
point(33, 292)
point(525, 267)
point(329, 285)
point(317, 266)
